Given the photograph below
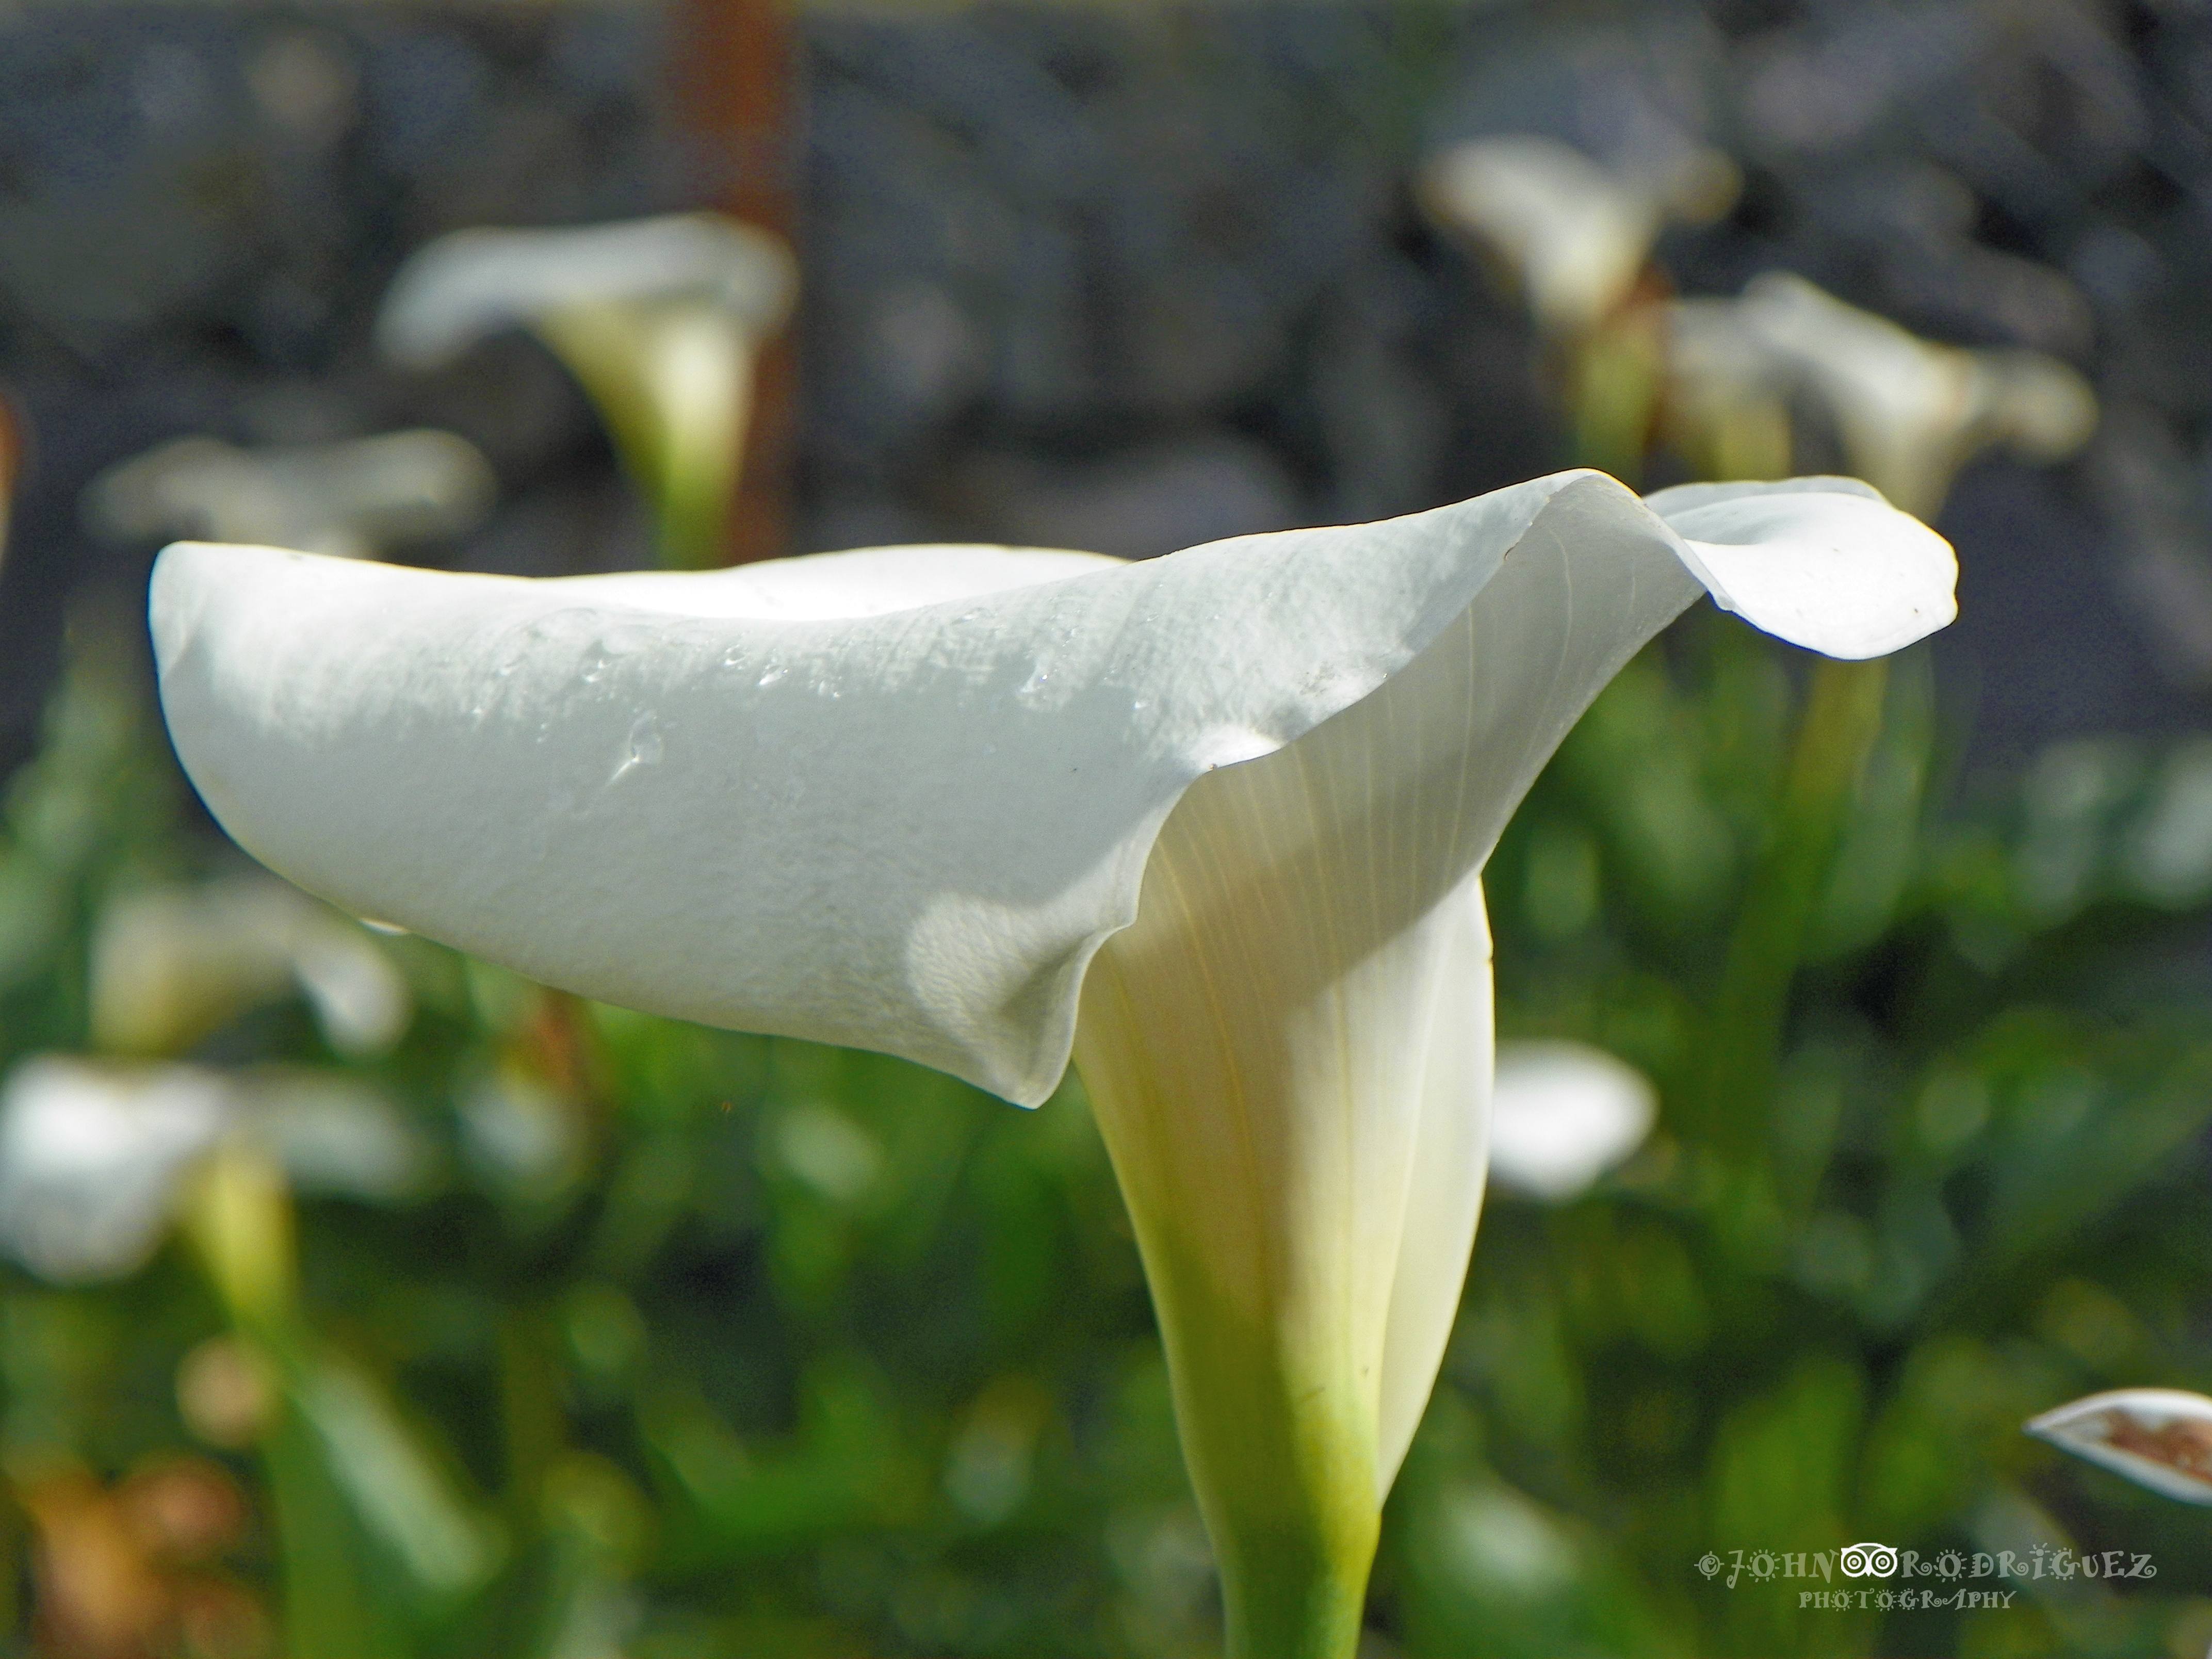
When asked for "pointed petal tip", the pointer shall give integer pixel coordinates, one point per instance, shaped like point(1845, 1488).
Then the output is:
point(1824, 564)
point(175, 593)
point(190, 578)
point(2160, 1438)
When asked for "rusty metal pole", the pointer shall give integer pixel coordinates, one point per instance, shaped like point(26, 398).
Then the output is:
point(733, 79)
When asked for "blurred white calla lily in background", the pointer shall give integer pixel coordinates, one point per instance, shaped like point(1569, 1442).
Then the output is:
point(658, 319)
point(1570, 234)
point(91, 1157)
point(1562, 1114)
point(2160, 1438)
point(94, 1154)
point(354, 498)
point(332, 1133)
point(1726, 397)
point(1213, 823)
point(1908, 412)
point(171, 964)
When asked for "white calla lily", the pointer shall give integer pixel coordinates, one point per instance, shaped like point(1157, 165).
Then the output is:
point(1213, 822)
point(659, 318)
point(1726, 398)
point(94, 1155)
point(1570, 234)
point(1909, 412)
point(91, 1157)
point(171, 963)
point(2160, 1438)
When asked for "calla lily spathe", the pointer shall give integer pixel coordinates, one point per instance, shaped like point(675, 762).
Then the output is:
point(659, 318)
point(95, 1155)
point(1909, 413)
point(170, 964)
point(1570, 234)
point(1214, 823)
point(898, 797)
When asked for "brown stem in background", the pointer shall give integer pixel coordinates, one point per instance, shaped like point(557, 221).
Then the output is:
point(732, 74)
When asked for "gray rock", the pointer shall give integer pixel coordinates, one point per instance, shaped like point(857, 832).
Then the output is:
point(1144, 502)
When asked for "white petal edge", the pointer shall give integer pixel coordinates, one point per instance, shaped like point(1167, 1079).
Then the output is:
point(893, 798)
point(2170, 1429)
point(1682, 498)
point(1443, 1185)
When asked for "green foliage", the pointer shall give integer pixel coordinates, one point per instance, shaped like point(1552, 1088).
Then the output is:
point(701, 1343)
point(1935, 1092)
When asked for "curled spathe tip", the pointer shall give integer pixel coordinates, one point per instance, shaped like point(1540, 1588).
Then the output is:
point(2160, 1438)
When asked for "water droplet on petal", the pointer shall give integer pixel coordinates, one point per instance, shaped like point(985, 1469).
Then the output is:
point(644, 747)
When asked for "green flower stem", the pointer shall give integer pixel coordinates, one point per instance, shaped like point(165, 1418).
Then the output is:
point(238, 1214)
point(1284, 1601)
point(1282, 1462)
point(1613, 385)
point(239, 1219)
point(1841, 722)
point(692, 518)
point(330, 1603)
